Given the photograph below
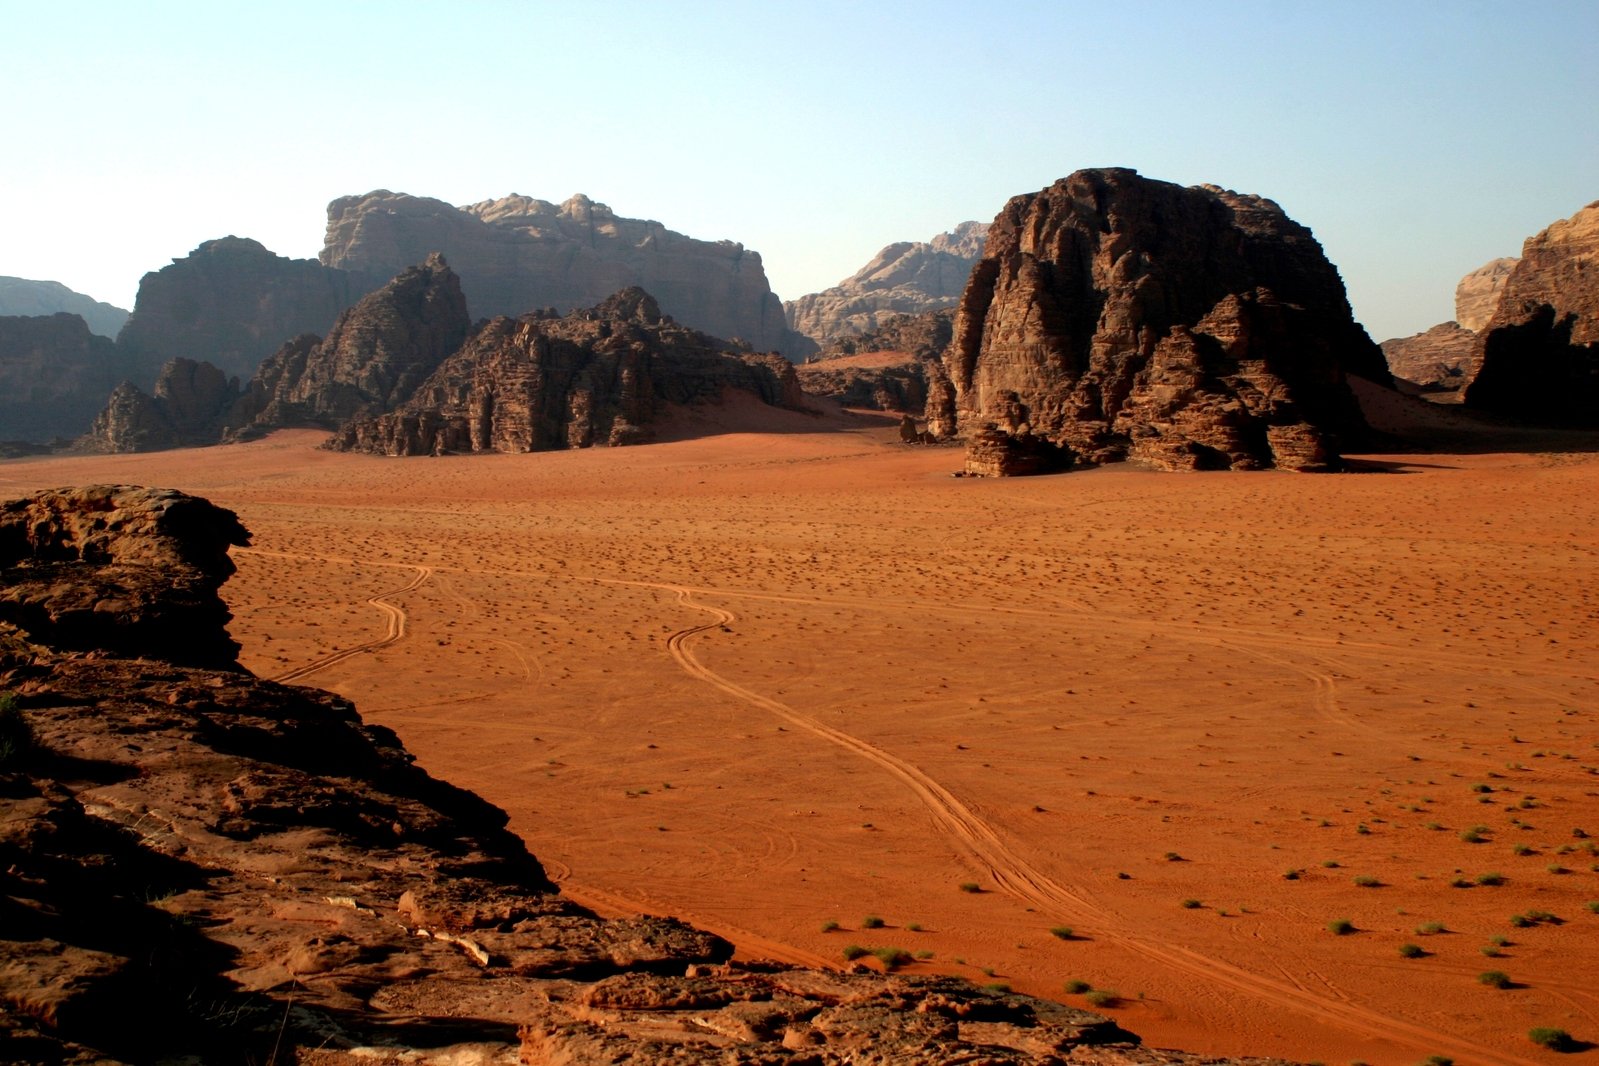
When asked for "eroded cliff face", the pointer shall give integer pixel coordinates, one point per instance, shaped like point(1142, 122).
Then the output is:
point(198, 864)
point(1477, 294)
point(1442, 360)
point(546, 381)
point(231, 303)
point(25, 297)
point(1538, 356)
point(373, 359)
point(1124, 318)
point(189, 408)
point(54, 376)
point(517, 254)
point(907, 278)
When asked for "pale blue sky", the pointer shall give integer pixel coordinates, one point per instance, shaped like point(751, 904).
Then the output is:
point(1417, 140)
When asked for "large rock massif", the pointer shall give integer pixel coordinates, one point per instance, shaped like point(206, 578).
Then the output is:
point(517, 254)
point(189, 408)
point(547, 381)
point(231, 303)
point(1440, 360)
point(906, 278)
point(54, 376)
point(1538, 356)
point(1114, 317)
point(25, 297)
point(200, 865)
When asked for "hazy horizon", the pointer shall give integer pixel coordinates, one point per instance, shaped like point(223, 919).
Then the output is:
point(1417, 143)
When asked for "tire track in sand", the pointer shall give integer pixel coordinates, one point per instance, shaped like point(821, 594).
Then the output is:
point(393, 614)
point(1013, 874)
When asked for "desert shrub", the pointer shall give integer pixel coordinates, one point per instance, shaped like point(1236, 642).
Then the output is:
point(1490, 951)
point(1494, 979)
point(1290, 875)
point(853, 952)
point(996, 986)
point(1555, 868)
point(1410, 951)
point(970, 886)
point(915, 927)
point(1481, 788)
point(1520, 921)
point(1077, 988)
point(829, 926)
point(1340, 927)
point(1191, 904)
point(1593, 906)
point(1474, 835)
point(1437, 1060)
point(1330, 864)
point(871, 921)
point(1491, 879)
point(1367, 881)
point(1521, 849)
point(1103, 997)
point(1543, 916)
point(924, 954)
point(1430, 928)
point(16, 735)
point(1172, 856)
point(1061, 932)
point(1459, 882)
point(1553, 1039)
point(892, 958)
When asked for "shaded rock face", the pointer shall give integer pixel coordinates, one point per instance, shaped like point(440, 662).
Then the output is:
point(907, 278)
point(923, 335)
point(882, 368)
point(547, 381)
point(191, 404)
point(130, 570)
point(375, 356)
point(516, 254)
point(27, 298)
point(199, 864)
point(54, 376)
point(1477, 295)
point(1124, 318)
point(1436, 360)
point(1539, 354)
point(231, 303)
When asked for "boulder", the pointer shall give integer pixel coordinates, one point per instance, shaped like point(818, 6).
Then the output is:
point(1125, 318)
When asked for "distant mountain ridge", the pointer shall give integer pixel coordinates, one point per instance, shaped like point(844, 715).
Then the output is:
point(23, 296)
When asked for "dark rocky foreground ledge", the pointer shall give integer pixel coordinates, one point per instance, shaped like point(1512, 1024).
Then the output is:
point(198, 865)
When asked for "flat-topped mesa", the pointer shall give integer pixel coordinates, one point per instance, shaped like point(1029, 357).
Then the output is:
point(1115, 317)
point(1538, 356)
point(518, 253)
point(120, 568)
point(546, 381)
point(375, 356)
point(905, 278)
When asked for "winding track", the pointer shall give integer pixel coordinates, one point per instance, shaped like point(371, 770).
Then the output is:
point(1019, 878)
point(393, 614)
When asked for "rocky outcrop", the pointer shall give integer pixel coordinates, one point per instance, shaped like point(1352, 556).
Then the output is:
point(374, 358)
point(25, 298)
point(1436, 360)
point(121, 569)
point(54, 376)
point(190, 407)
point(546, 381)
point(1125, 318)
point(906, 278)
point(1477, 295)
point(199, 865)
point(924, 336)
point(516, 254)
point(878, 381)
point(231, 303)
point(1538, 357)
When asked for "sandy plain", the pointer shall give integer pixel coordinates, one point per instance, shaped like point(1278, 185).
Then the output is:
point(771, 682)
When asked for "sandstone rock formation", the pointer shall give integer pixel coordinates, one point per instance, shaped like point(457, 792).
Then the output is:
point(883, 367)
point(1477, 295)
point(198, 865)
point(1125, 318)
point(1538, 357)
point(190, 407)
point(1437, 360)
point(54, 376)
point(24, 297)
point(231, 303)
point(547, 381)
point(516, 254)
point(907, 278)
point(374, 358)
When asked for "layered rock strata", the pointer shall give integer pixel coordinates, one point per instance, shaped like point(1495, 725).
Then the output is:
point(547, 381)
point(190, 407)
point(372, 360)
point(199, 865)
point(231, 303)
point(54, 376)
point(517, 253)
point(1538, 356)
point(1189, 328)
point(1436, 360)
point(905, 278)
point(883, 367)
point(1477, 294)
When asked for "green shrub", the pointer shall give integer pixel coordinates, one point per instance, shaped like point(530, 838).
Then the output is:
point(996, 986)
point(1061, 932)
point(1340, 927)
point(1290, 875)
point(1077, 988)
point(1430, 928)
point(970, 886)
point(915, 927)
point(1491, 879)
point(1367, 881)
point(1473, 835)
point(1103, 997)
point(1520, 921)
point(828, 927)
point(853, 952)
point(1494, 979)
point(1491, 951)
point(1593, 906)
point(892, 958)
point(1410, 951)
point(871, 921)
point(1191, 904)
point(1553, 1039)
